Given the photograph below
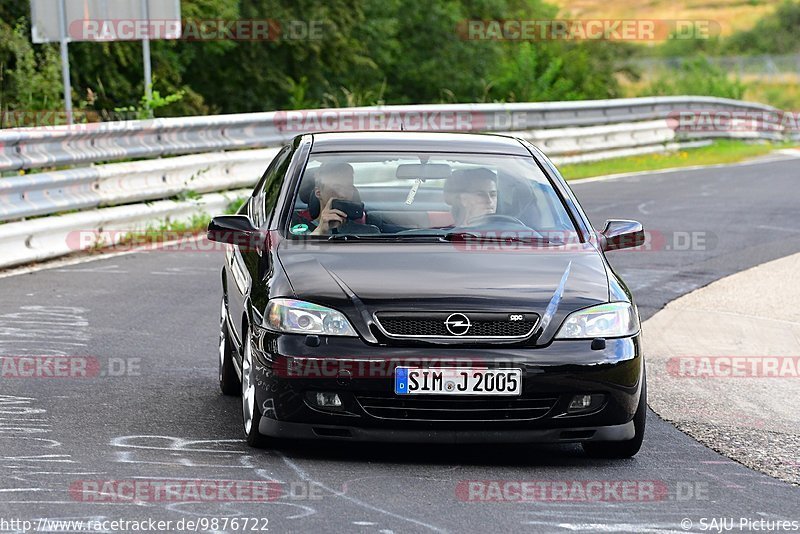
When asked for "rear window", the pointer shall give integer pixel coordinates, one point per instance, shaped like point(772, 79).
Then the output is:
point(407, 194)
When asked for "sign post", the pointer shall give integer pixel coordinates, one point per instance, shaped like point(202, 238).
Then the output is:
point(62, 19)
point(148, 75)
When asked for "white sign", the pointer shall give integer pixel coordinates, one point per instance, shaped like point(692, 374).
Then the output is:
point(105, 20)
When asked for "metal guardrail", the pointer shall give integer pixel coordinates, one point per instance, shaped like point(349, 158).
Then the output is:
point(36, 148)
point(125, 183)
point(51, 237)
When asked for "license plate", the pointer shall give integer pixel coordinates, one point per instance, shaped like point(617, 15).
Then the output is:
point(457, 381)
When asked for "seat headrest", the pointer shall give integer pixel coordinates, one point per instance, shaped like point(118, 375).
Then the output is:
point(307, 187)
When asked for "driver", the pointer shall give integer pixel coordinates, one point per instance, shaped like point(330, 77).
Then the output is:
point(471, 194)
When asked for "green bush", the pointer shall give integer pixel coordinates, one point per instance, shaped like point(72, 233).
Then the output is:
point(696, 76)
point(30, 79)
point(774, 34)
point(368, 52)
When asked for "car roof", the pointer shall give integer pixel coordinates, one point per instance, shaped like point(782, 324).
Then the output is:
point(409, 141)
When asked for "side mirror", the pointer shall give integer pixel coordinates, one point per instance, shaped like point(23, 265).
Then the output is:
point(234, 230)
point(621, 233)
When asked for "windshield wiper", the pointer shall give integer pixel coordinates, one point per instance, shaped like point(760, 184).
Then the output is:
point(447, 236)
point(365, 237)
point(468, 236)
point(344, 237)
point(401, 237)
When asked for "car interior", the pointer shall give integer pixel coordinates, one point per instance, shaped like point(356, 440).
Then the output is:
point(414, 199)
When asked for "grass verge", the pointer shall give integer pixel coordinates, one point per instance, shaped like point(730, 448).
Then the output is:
point(169, 231)
point(721, 151)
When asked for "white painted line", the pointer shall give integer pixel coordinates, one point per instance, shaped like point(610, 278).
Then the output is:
point(69, 261)
point(107, 269)
point(779, 228)
point(642, 209)
point(655, 528)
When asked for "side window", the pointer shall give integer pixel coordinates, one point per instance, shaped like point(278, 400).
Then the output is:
point(265, 194)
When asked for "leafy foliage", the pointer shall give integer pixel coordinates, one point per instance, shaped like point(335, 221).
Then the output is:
point(773, 34)
point(30, 79)
point(697, 76)
point(147, 106)
point(367, 52)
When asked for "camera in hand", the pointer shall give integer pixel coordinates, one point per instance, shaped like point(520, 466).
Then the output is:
point(354, 210)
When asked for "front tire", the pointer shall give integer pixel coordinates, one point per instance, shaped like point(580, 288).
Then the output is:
point(251, 414)
point(228, 380)
point(627, 448)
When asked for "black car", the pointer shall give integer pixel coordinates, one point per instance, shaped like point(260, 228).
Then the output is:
point(410, 286)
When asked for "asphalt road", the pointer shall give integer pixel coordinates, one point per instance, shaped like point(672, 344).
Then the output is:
point(155, 316)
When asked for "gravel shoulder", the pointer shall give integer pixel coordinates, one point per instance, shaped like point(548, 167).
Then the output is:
point(724, 366)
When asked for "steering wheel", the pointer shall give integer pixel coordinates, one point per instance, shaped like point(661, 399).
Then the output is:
point(498, 219)
point(502, 223)
point(420, 231)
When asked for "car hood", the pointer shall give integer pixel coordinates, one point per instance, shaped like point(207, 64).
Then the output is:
point(361, 279)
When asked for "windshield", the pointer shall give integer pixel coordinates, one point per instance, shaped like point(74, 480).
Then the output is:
point(407, 195)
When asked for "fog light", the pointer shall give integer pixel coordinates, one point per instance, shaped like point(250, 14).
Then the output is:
point(580, 402)
point(584, 403)
point(328, 400)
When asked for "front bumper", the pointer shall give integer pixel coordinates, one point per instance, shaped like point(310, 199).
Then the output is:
point(281, 429)
point(289, 371)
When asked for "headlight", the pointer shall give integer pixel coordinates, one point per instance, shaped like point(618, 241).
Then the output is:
point(297, 317)
point(616, 319)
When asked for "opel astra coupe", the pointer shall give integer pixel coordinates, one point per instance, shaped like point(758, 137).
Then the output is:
point(427, 287)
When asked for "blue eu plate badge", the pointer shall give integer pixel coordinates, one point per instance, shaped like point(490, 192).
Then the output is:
point(401, 381)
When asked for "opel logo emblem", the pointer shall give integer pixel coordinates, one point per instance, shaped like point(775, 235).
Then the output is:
point(457, 324)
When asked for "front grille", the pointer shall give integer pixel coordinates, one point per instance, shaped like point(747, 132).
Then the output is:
point(436, 408)
point(483, 325)
point(434, 328)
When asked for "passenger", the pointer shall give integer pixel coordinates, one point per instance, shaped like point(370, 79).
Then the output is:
point(471, 194)
point(333, 182)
